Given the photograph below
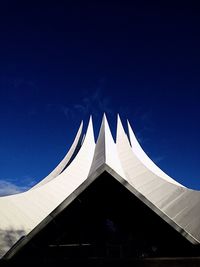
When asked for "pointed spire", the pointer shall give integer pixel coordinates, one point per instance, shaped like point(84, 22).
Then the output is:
point(103, 129)
point(136, 147)
point(133, 139)
point(99, 153)
point(104, 132)
point(105, 151)
point(89, 136)
point(120, 128)
point(119, 122)
point(108, 135)
point(121, 134)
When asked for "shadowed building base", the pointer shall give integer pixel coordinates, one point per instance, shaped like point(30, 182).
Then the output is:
point(106, 225)
point(147, 262)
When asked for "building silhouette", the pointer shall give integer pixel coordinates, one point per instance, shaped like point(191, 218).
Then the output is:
point(106, 202)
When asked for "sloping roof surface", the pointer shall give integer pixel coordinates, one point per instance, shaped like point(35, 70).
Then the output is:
point(23, 214)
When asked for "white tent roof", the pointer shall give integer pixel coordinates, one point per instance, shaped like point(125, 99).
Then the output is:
point(23, 215)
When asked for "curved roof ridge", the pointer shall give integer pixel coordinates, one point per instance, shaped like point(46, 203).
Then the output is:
point(71, 153)
point(179, 206)
point(139, 152)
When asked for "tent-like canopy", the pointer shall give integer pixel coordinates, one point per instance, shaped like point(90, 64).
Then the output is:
point(23, 215)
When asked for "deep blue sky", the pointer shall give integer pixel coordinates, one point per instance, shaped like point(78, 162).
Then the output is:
point(63, 60)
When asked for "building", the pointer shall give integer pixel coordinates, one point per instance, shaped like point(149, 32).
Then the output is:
point(105, 201)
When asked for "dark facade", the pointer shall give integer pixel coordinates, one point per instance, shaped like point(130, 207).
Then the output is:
point(107, 224)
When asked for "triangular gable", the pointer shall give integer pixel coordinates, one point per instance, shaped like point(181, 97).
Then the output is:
point(32, 210)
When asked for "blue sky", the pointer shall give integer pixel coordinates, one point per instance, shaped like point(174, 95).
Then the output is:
point(62, 61)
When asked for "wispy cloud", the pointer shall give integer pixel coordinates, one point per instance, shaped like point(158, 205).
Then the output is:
point(93, 103)
point(158, 159)
point(146, 129)
point(10, 187)
point(142, 118)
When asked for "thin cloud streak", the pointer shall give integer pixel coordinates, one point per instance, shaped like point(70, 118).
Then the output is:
point(9, 188)
point(94, 104)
